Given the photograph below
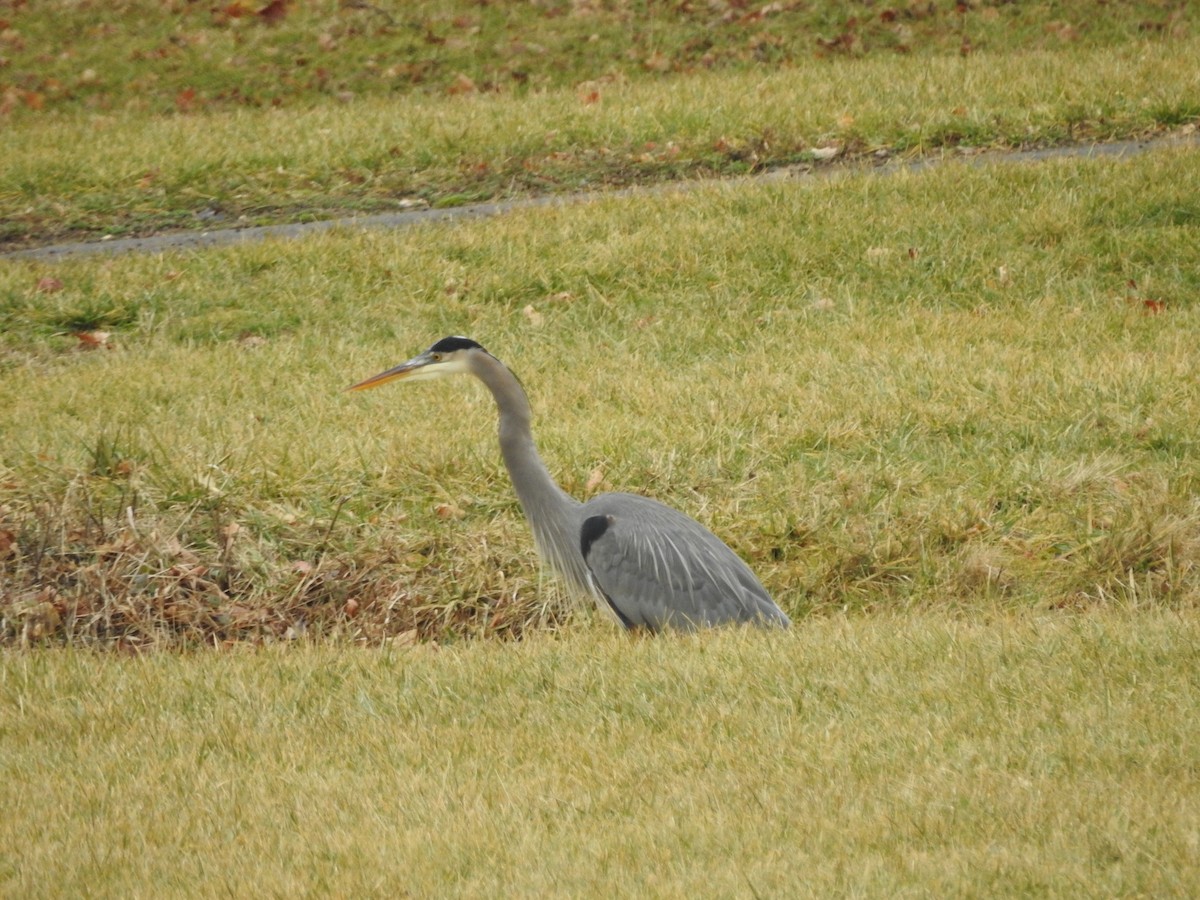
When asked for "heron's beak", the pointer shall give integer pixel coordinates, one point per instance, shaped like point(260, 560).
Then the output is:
point(404, 370)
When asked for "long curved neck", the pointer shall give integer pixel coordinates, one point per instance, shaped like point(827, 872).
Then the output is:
point(551, 511)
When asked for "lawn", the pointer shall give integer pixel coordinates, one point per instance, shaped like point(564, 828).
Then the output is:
point(1049, 755)
point(957, 388)
point(145, 116)
point(261, 635)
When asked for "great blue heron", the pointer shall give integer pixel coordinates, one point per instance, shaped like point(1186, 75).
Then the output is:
point(649, 565)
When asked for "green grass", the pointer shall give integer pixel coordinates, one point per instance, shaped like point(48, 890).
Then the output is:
point(117, 154)
point(948, 416)
point(934, 390)
point(878, 756)
point(62, 57)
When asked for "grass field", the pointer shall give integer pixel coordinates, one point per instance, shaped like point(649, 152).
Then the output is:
point(192, 119)
point(261, 636)
point(959, 388)
point(879, 756)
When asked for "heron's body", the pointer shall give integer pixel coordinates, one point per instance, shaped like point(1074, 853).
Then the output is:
point(647, 564)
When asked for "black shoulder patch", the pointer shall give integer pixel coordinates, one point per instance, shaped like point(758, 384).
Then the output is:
point(593, 529)
point(450, 344)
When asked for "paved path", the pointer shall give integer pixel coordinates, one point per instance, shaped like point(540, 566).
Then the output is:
point(227, 236)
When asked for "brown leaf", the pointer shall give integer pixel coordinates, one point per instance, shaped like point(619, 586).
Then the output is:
point(93, 340)
point(8, 540)
point(595, 479)
point(448, 511)
point(462, 84)
point(49, 285)
point(185, 100)
point(274, 12)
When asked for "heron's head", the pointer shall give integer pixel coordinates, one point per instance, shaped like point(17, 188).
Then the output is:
point(449, 356)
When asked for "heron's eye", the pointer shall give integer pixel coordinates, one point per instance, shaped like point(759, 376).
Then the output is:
point(437, 357)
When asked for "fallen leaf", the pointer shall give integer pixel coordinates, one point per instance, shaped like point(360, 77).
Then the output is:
point(447, 511)
point(595, 479)
point(185, 100)
point(92, 340)
point(274, 12)
point(351, 607)
point(462, 84)
point(49, 285)
point(1153, 307)
point(532, 316)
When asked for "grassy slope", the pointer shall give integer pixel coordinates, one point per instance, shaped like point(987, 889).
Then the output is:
point(925, 390)
point(118, 154)
point(869, 756)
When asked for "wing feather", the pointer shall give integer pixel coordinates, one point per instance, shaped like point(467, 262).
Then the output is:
point(657, 568)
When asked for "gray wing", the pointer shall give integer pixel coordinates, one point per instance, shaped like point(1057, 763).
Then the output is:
point(654, 567)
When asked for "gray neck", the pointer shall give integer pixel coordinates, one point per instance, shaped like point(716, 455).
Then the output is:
point(551, 511)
